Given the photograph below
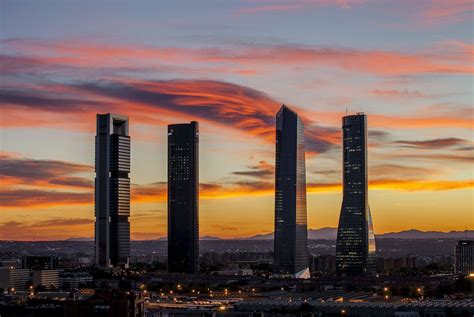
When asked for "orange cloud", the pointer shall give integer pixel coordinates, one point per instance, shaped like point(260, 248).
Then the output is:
point(52, 229)
point(430, 121)
point(394, 93)
point(400, 185)
point(157, 192)
point(51, 174)
point(149, 102)
point(15, 198)
point(428, 13)
point(433, 143)
point(266, 6)
point(377, 62)
point(431, 118)
point(441, 11)
point(262, 170)
point(47, 183)
point(416, 185)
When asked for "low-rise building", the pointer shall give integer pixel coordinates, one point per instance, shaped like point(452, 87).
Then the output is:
point(70, 280)
point(46, 278)
point(12, 278)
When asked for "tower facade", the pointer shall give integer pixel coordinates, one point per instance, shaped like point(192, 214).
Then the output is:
point(464, 257)
point(355, 247)
point(183, 197)
point(112, 191)
point(291, 236)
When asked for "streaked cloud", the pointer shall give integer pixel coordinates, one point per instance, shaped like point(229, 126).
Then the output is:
point(44, 173)
point(425, 13)
point(400, 185)
point(37, 197)
point(51, 229)
point(156, 193)
point(454, 158)
point(219, 103)
point(434, 143)
point(396, 93)
point(394, 171)
point(439, 11)
point(250, 58)
point(266, 6)
point(262, 170)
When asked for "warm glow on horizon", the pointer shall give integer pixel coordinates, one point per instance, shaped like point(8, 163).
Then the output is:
point(230, 67)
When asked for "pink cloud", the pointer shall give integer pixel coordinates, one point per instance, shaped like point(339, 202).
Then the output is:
point(247, 59)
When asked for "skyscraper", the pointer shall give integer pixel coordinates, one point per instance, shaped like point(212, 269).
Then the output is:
point(291, 236)
point(464, 257)
point(112, 191)
point(355, 247)
point(183, 197)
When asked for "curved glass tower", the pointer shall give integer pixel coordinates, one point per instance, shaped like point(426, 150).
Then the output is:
point(291, 236)
point(355, 247)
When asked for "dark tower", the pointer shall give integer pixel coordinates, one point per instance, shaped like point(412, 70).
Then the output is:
point(183, 195)
point(464, 257)
point(355, 247)
point(112, 191)
point(291, 236)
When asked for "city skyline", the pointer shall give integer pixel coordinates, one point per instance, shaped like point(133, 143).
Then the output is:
point(416, 88)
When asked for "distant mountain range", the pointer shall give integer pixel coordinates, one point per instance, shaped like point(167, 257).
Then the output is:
point(417, 234)
point(323, 233)
point(80, 239)
point(331, 234)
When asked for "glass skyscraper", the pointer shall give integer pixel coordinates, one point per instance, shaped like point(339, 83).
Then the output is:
point(183, 197)
point(355, 247)
point(464, 257)
point(291, 236)
point(112, 191)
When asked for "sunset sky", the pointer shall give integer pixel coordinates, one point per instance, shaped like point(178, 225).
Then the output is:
point(230, 65)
